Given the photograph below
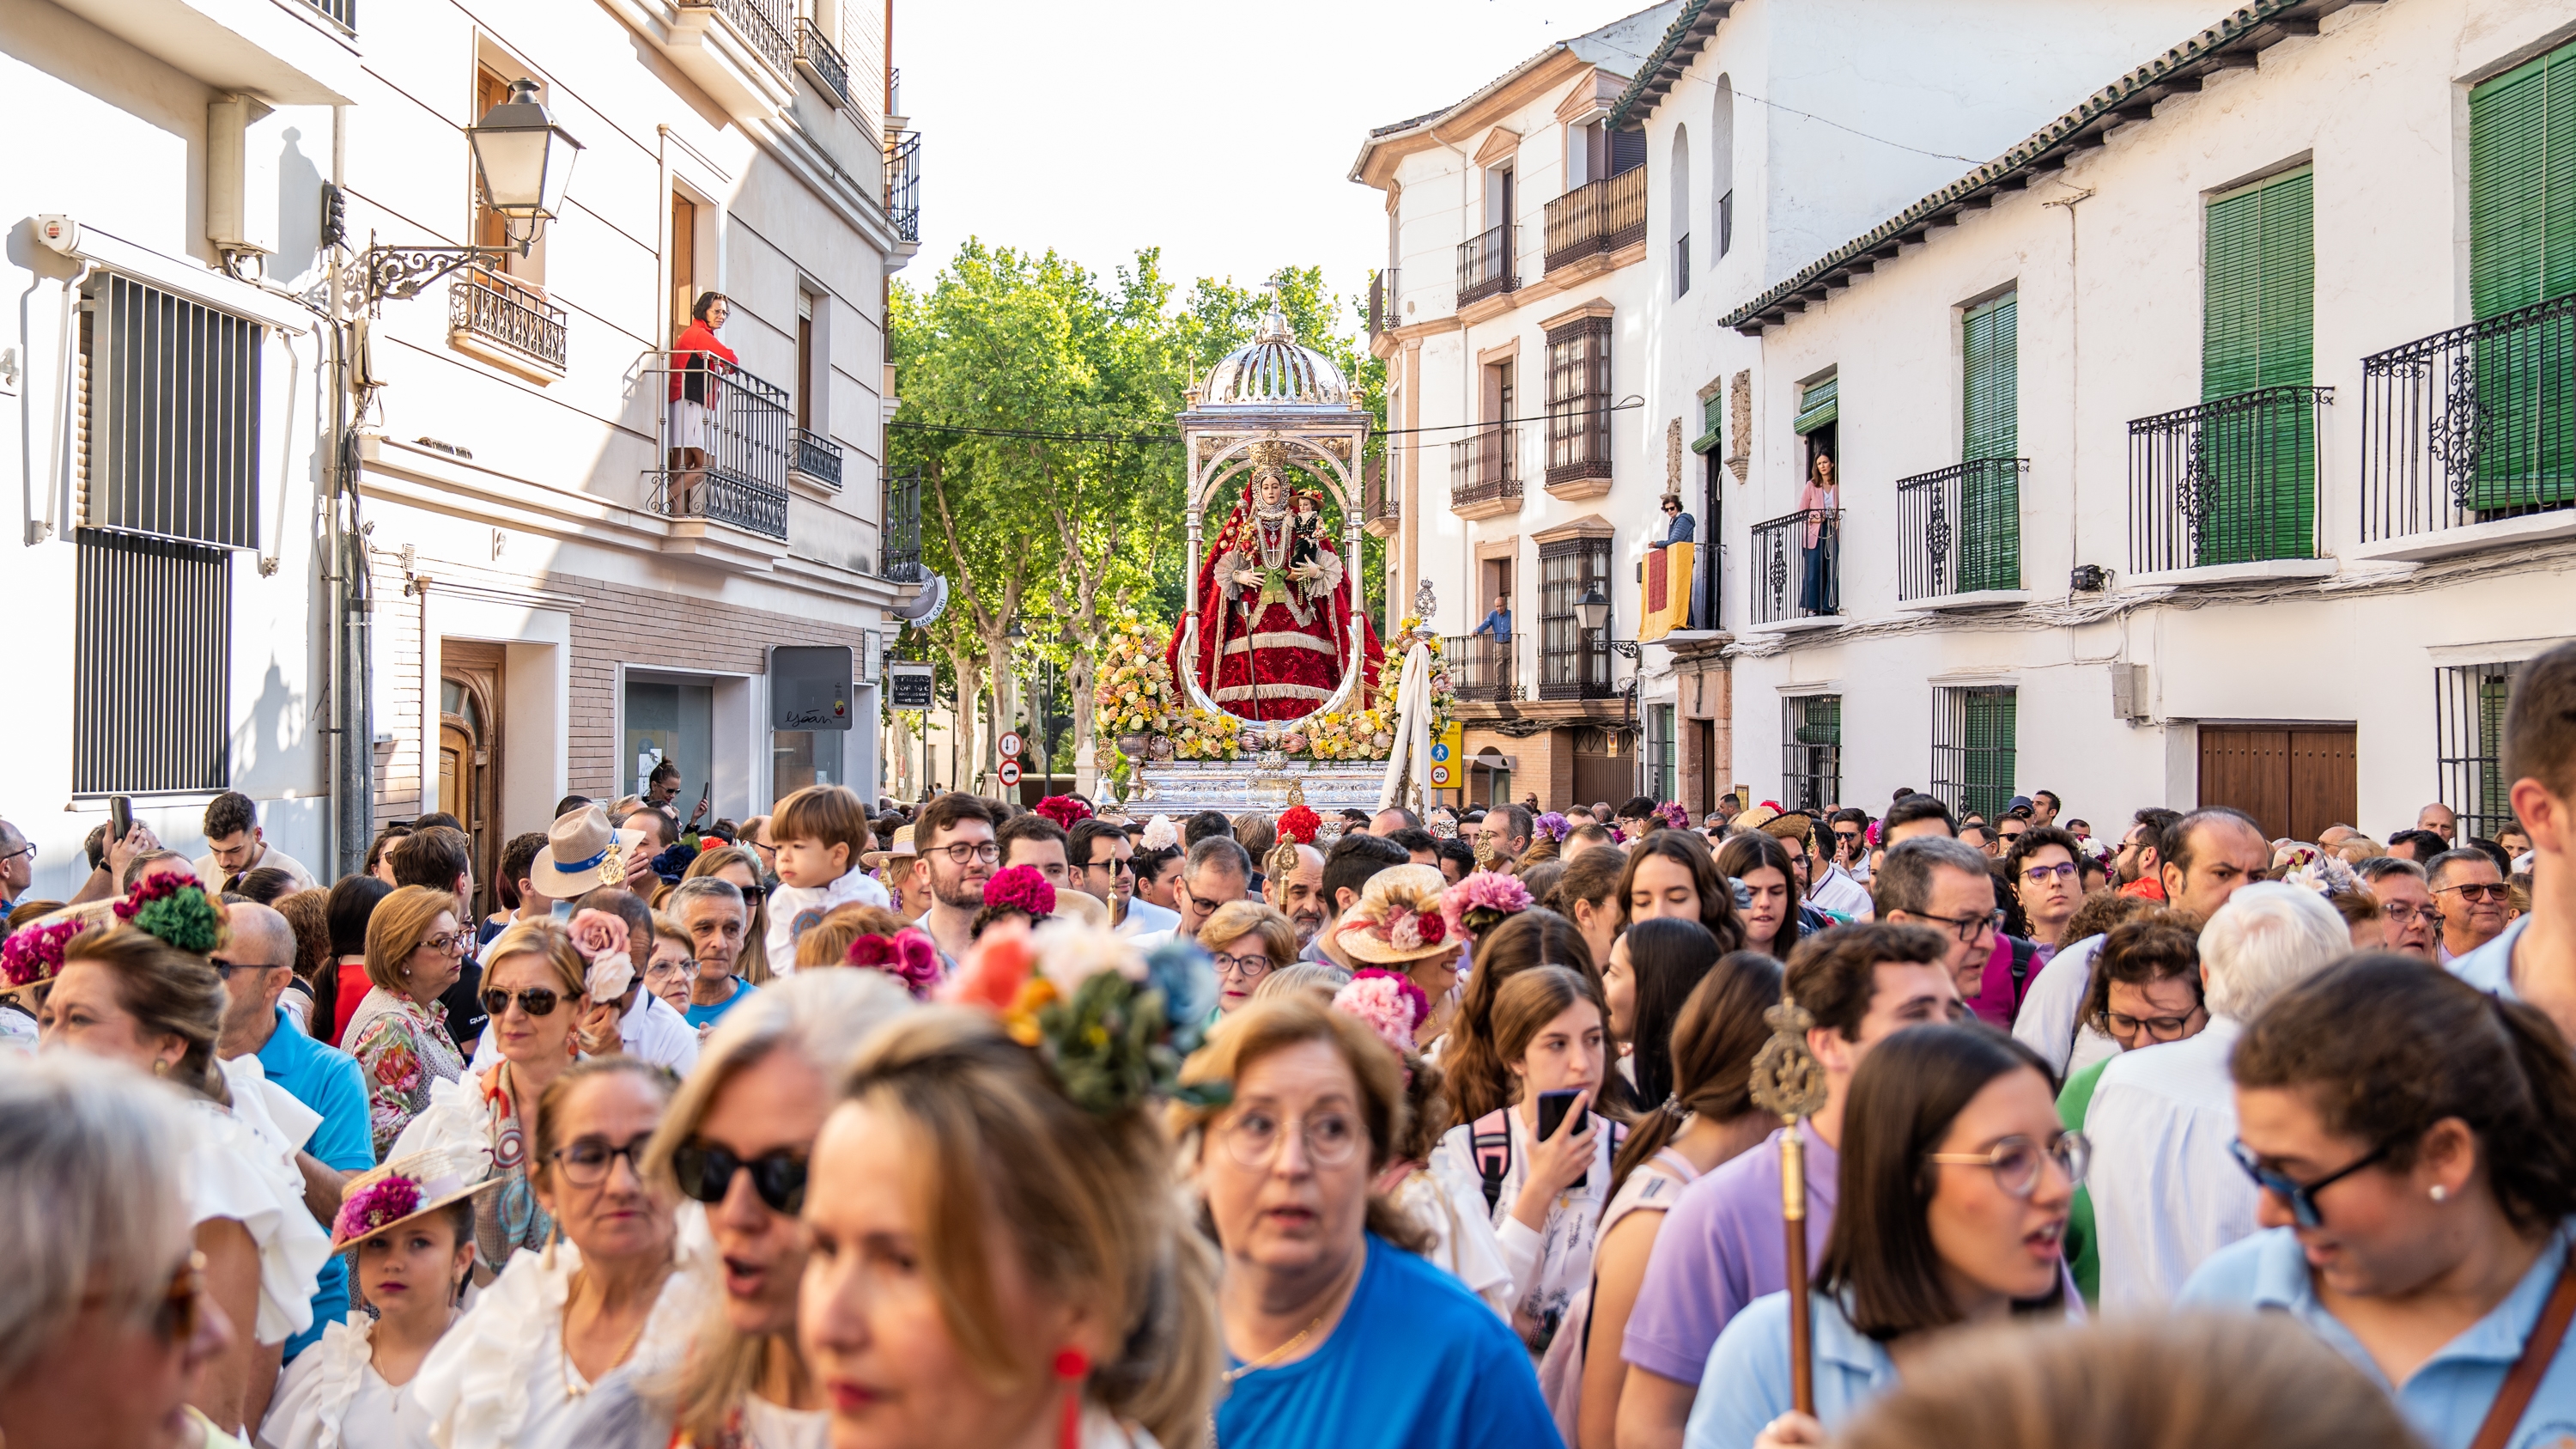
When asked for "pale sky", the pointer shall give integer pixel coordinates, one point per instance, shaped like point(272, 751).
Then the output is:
point(1221, 131)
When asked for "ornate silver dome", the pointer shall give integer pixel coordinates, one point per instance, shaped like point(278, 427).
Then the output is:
point(1275, 372)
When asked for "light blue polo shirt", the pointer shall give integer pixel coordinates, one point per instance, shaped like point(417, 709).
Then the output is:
point(2446, 1399)
point(2490, 967)
point(1746, 1384)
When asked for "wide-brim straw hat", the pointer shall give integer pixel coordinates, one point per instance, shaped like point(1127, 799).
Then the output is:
point(379, 1200)
point(1393, 907)
point(1083, 906)
point(900, 848)
point(583, 852)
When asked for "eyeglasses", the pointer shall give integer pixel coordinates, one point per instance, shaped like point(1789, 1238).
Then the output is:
point(1199, 903)
point(983, 852)
point(183, 1304)
point(1250, 968)
point(1253, 1138)
point(706, 1173)
point(2302, 1197)
point(28, 850)
point(586, 1162)
point(2043, 874)
point(2403, 912)
point(1970, 929)
point(1114, 866)
point(224, 969)
point(767, 851)
point(686, 966)
point(535, 1001)
point(2015, 1161)
point(2478, 891)
point(447, 943)
point(2156, 1028)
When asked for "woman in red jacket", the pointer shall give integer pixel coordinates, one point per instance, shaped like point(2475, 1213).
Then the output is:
point(697, 361)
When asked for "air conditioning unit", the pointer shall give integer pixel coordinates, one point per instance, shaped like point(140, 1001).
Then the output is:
point(2130, 698)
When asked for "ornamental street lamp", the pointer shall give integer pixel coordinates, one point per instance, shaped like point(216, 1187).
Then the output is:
point(522, 168)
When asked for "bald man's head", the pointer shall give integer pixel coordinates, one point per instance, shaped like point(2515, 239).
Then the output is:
point(261, 936)
point(259, 960)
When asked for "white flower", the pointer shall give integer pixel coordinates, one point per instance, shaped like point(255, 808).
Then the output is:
point(611, 972)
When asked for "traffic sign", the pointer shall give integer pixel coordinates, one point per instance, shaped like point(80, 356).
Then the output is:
point(1011, 744)
point(1010, 773)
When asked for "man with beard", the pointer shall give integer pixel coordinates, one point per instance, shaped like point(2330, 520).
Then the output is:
point(954, 834)
point(1299, 894)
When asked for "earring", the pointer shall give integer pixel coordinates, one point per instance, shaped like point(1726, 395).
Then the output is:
point(1072, 1366)
point(160, 1069)
point(2440, 1193)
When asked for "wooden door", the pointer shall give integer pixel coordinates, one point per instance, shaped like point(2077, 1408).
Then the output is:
point(1604, 769)
point(2295, 778)
point(469, 756)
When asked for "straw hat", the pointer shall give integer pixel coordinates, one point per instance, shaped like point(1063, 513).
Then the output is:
point(412, 1186)
point(1082, 906)
point(582, 854)
point(899, 849)
point(1398, 918)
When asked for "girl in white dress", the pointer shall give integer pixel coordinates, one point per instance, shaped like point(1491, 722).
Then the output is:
point(409, 1228)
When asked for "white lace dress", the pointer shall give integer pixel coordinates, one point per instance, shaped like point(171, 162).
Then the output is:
point(241, 1166)
point(333, 1398)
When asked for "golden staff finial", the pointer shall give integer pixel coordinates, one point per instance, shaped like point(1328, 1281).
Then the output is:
point(1789, 1082)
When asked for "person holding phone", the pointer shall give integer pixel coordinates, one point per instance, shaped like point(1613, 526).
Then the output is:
point(1540, 1168)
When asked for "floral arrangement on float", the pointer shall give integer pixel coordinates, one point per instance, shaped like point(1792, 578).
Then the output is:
point(1138, 702)
point(1134, 697)
point(1205, 734)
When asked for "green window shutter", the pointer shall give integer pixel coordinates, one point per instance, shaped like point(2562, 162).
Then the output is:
point(1986, 734)
point(1990, 495)
point(1819, 405)
point(2522, 185)
point(1710, 408)
point(2258, 465)
point(2522, 252)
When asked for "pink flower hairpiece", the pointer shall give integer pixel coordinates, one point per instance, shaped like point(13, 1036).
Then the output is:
point(35, 953)
point(1021, 888)
point(1482, 901)
point(1064, 810)
point(388, 1200)
point(1407, 929)
point(1388, 1002)
point(601, 938)
point(1553, 826)
point(908, 956)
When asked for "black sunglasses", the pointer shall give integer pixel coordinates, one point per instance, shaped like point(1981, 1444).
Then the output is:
point(535, 1001)
point(706, 1173)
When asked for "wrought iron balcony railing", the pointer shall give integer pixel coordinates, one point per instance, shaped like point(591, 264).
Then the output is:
point(343, 13)
point(1479, 668)
point(725, 444)
point(761, 27)
point(1380, 504)
point(1484, 468)
point(1797, 566)
point(1598, 216)
point(497, 308)
point(2233, 480)
point(1487, 266)
point(903, 185)
point(821, 61)
point(902, 528)
point(2471, 425)
point(817, 457)
point(1959, 529)
point(1382, 317)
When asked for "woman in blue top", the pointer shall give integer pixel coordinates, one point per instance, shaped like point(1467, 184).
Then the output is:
point(1335, 1331)
point(1954, 1185)
point(2410, 1135)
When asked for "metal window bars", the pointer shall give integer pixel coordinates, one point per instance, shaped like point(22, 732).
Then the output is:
point(2471, 425)
point(507, 312)
point(1797, 566)
point(1573, 662)
point(1484, 468)
point(1959, 529)
point(1811, 750)
point(1598, 216)
point(1479, 668)
point(170, 396)
point(724, 444)
point(152, 666)
point(1486, 266)
point(2233, 480)
point(1973, 732)
point(2469, 703)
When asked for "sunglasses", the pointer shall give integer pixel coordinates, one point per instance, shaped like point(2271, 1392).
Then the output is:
point(2478, 892)
point(224, 969)
point(2301, 1196)
point(535, 1001)
point(706, 1174)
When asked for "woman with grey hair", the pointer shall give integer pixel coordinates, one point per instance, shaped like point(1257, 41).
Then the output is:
point(104, 1319)
point(736, 1142)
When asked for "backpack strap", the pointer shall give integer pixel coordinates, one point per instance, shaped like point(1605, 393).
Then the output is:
point(1491, 1140)
point(2023, 954)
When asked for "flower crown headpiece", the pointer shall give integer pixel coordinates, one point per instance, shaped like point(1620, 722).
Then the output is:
point(35, 953)
point(1160, 834)
point(602, 940)
point(1483, 900)
point(1021, 888)
point(1113, 1025)
point(1553, 826)
point(2327, 875)
point(908, 956)
point(1674, 814)
point(174, 907)
point(1388, 1002)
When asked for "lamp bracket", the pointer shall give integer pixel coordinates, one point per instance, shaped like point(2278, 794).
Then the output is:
point(383, 273)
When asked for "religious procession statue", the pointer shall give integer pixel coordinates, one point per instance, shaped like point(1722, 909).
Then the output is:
point(1274, 612)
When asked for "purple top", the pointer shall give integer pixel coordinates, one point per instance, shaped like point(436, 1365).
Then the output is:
point(1720, 1248)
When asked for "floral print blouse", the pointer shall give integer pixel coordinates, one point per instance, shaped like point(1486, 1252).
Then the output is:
point(402, 1047)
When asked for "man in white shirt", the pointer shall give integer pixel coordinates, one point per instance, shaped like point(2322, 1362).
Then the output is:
point(2167, 1190)
point(2206, 857)
point(236, 844)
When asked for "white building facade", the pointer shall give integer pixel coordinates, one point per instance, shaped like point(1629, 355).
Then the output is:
point(551, 591)
point(2209, 446)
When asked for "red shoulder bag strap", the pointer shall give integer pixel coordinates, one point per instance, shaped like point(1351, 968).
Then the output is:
point(2538, 1352)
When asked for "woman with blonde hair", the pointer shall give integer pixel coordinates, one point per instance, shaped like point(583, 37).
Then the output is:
point(1335, 1331)
point(1248, 941)
point(142, 992)
point(737, 1141)
point(534, 987)
point(827, 941)
point(738, 865)
point(993, 1262)
point(415, 951)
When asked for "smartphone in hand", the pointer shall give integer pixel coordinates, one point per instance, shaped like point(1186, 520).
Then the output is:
point(120, 818)
point(1552, 1108)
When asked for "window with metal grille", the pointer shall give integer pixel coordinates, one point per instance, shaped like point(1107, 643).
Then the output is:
point(2469, 702)
point(1811, 750)
point(1972, 749)
point(152, 664)
point(1578, 400)
point(1574, 662)
point(171, 389)
point(1663, 774)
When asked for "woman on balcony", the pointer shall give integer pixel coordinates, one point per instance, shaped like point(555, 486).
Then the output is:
point(1819, 590)
point(697, 361)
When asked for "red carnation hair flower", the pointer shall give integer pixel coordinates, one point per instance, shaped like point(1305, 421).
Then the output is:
point(1021, 888)
point(1064, 810)
point(1300, 824)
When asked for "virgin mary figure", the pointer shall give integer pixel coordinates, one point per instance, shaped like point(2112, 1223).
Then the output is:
point(1274, 610)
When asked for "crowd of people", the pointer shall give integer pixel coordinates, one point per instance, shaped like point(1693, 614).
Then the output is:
point(968, 1123)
